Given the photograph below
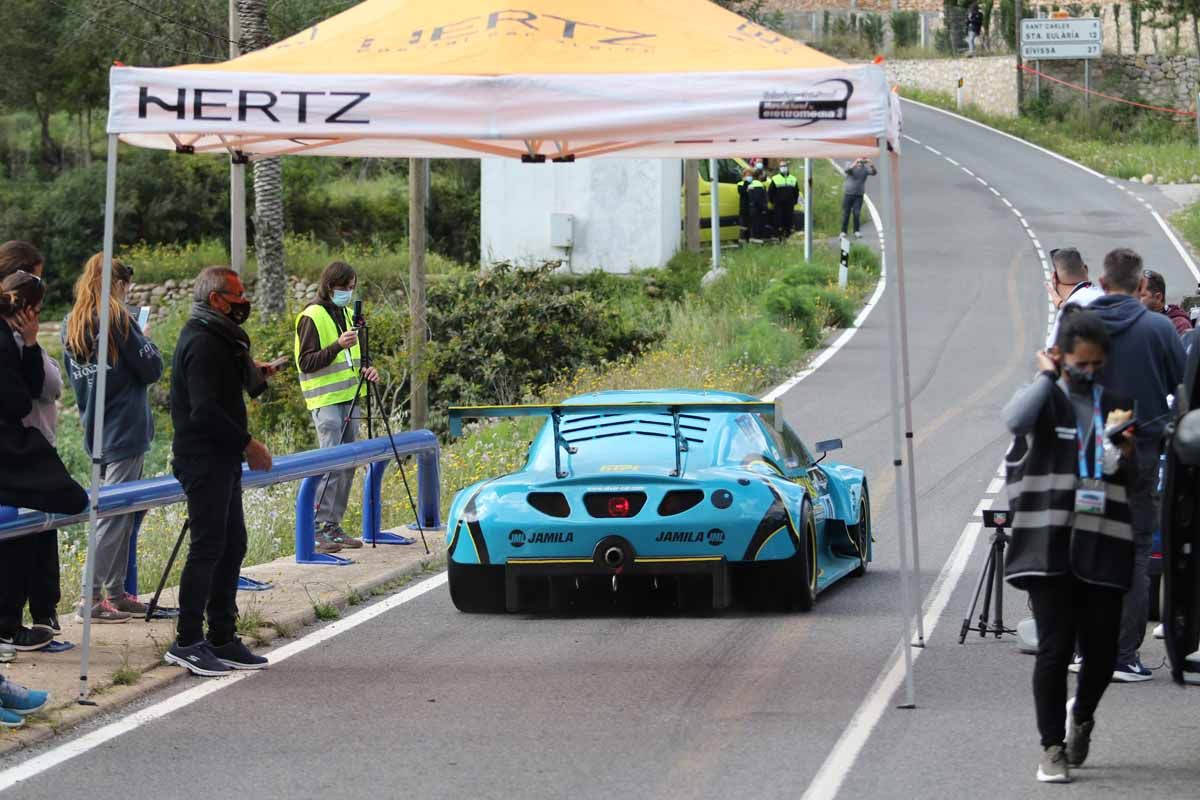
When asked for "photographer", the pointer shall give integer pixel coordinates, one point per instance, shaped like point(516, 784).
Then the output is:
point(1071, 548)
point(330, 365)
point(211, 370)
point(853, 190)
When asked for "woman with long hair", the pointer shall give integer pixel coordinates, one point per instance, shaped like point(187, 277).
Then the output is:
point(31, 474)
point(134, 363)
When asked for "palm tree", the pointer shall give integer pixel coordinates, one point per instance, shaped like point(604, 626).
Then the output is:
point(271, 291)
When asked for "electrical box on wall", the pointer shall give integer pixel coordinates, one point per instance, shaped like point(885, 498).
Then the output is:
point(562, 230)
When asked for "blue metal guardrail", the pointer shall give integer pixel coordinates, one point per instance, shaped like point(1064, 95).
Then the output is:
point(307, 467)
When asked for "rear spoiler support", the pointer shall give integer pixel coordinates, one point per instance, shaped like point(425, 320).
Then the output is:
point(560, 444)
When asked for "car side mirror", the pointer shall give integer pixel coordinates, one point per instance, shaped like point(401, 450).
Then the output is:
point(828, 446)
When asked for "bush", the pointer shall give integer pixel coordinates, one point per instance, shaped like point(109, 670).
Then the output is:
point(906, 28)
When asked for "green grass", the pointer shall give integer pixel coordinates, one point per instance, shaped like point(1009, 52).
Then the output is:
point(1187, 222)
point(326, 612)
point(1109, 141)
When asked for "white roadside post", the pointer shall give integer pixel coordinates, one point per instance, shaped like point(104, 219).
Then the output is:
point(237, 169)
point(808, 185)
point(89, 564)
point(844, 263)
point(714, 196)
point(959, 94)
point(907, 610)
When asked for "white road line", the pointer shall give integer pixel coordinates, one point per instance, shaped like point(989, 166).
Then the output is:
point(1007, 202)
point(952, 161)
point(837, 765)
point(911, 139)
point(1188, 261)
point(994, 191)
point(972, 174)
point(981, 180)
point(984, 505)
point(995, 486)
point(932, 150)
point(64, 752)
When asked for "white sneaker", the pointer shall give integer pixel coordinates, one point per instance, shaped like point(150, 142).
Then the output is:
point(1076, 664)
point(1159, 633)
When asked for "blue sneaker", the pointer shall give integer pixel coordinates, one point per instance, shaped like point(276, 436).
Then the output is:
point(1132, 673)
point(10, 720)
point(19, 700)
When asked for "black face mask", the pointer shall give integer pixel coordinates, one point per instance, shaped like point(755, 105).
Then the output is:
point(239, 312)
point(1079, 379)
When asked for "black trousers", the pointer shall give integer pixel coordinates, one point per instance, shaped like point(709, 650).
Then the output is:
point(852, 205)
point(28, 574)
point(783, 219)
point(1067, 611)
point(218, 545)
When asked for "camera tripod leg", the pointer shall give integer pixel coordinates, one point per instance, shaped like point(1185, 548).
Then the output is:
point(998, 575)
point(989, 574)
point(966, 623)
point(152, 606)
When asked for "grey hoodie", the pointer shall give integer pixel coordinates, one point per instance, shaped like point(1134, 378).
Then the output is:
point(1145, 361)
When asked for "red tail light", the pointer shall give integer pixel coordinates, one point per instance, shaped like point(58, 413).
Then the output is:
point(618, 506)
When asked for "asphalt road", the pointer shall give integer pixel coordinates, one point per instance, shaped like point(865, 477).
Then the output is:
point(425, 702)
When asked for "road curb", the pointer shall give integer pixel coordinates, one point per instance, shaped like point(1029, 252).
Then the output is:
point(109, 697)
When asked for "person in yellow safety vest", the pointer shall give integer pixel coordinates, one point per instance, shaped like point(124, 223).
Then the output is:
point(329, 362)
point(756, 193)
point(783, 192)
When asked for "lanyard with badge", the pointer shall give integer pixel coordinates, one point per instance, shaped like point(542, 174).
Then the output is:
point(1089, 497)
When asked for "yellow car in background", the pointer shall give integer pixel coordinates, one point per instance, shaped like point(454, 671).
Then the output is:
point(729, 173)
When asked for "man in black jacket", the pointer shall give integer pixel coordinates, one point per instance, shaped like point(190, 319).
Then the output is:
point(212, 368)
point(1146, 363)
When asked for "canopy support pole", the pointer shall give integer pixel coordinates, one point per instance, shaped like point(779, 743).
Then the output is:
point(714, 196)
point(906, 592)
point(691, 193)
point(902, 297)
point(418, 380)
point(89, 567)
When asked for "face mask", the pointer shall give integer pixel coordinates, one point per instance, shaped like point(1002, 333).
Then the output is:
point(1079, 378)
point(748, 178)
point(783, 170)
point(239, 312)
point(342, 297)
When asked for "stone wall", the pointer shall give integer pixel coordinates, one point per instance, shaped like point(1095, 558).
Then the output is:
point(1169, 81)
point(162, 297)
point(988, 83)
point(877, 6)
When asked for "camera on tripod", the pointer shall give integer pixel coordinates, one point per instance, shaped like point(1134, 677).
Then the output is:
point(991, 581)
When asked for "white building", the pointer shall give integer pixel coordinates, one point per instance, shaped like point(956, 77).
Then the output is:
point(596, 214)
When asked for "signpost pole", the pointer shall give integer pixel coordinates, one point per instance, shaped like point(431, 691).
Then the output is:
point(1087, 84)
point(1020, 72)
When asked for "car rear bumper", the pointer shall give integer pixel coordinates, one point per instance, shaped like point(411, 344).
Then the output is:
point(614, 557)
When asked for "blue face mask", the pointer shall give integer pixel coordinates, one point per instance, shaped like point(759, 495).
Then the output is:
point(342, 297)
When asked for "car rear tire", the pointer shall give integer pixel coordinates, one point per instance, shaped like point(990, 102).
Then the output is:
point(796, 584)
point(477, 588)
point(861, 533)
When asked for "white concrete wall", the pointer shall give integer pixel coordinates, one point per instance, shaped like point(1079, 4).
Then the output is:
point(626, 212)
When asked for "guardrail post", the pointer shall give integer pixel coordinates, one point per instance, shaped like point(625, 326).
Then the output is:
point(844, 263)
point(429, 482)
point(372, 510)
point(306, 551)
point(131, 571)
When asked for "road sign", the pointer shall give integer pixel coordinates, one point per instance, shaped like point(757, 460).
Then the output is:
point(1050, 39)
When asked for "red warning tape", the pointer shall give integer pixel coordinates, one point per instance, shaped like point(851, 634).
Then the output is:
point(1076, 86)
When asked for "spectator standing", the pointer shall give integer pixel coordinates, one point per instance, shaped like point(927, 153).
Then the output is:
point(134, 365)
point(1145, 363)
point(1069, 283)
point(756, 193)
point(29, 567)
point(1070, 548)
point(974, 28)
point(783, 192)
point(743, 189)
point(1154, 297)
point(212, 368)
point(330, 365)
point(852, 194)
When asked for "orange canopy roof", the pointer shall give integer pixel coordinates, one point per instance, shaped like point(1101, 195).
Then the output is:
point(487, 37)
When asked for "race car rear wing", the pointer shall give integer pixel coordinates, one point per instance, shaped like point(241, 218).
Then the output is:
point(557, 412)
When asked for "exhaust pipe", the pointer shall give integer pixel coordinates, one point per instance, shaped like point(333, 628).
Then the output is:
point(613, 557)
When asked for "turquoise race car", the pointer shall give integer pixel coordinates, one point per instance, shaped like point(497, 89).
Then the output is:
point(677, 497)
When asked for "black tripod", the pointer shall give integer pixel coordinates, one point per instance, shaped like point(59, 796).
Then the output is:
point(991, 580)
point(360, 326)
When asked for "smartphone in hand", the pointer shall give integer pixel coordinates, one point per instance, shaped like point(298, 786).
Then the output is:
point(280, 362)
point(143, 317)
